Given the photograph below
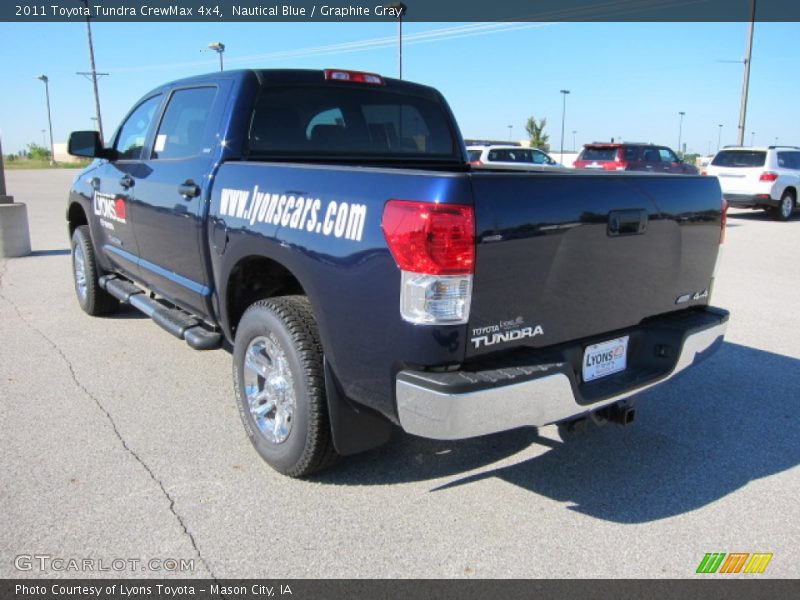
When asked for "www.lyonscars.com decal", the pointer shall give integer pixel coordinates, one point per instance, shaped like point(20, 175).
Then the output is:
point(339, 219)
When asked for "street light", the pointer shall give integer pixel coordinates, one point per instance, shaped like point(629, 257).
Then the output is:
point(46, 81)
point(400, 10)
point(563, 118)
point(510, 128)
point(719, 136)
point(574, 145)
point(219, 48)
point(752, 137)
point(680, 129)
point(93, 73)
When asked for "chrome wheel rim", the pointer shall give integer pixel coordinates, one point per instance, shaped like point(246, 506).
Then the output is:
point(79, 265)
point(786, 206)
point(268, 388)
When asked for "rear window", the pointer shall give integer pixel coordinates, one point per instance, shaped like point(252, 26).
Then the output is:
point(740, 158)
point(331, 121)
point(599, 154)
point(474, 155)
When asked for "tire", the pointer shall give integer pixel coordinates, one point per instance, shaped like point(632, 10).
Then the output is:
point(783, 212)
point(280, 386)
point(93, 299)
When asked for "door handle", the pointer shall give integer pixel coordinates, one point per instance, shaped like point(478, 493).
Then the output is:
point(127, 181)
point(627, 222)
point(189, 189)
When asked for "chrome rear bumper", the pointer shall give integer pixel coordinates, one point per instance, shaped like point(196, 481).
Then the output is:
point(462, 405)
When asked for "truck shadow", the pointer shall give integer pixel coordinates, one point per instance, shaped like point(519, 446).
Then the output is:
point(730, 421)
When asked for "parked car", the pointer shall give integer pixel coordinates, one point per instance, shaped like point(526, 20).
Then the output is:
point(325, 226)
point(511, 157)
point(759, 177)
point(629, 156)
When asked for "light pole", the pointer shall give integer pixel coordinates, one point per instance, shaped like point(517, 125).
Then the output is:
point(94, 122)
point(680, 129)
point(400, 10)
point(93, 73)
point(719, 136)
point(219, 48)
point(510, 129)
point(574, 145)
point(46, 81)
point(746, 81)
point(563, 118)
point(752, 137)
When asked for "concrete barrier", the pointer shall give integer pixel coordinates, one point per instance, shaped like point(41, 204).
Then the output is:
point(15, 239)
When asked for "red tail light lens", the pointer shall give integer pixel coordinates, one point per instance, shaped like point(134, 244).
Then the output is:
point(353, 76)
point(768, 176)
point(704, 172)
point(435, 239)
point(724, 220)
point(476, 163)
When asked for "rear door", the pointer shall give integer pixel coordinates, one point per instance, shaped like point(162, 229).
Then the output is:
point(565, 256)
point(171, 198)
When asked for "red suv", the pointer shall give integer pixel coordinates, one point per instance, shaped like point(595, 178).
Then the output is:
point(628, 156)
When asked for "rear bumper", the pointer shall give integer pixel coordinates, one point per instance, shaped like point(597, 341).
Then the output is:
point(750, 200)
point(543, 387)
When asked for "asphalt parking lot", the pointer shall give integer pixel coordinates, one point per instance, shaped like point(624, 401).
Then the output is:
point(119, 442)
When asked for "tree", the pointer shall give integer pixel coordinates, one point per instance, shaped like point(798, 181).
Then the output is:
point(37, 152)
point(535, 130)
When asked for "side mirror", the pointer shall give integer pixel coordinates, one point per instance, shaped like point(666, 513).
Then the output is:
point(87, 144)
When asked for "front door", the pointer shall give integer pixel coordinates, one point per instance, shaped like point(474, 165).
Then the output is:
point(114, 189)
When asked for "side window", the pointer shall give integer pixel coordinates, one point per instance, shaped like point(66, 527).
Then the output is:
point(667, 155)
point(133, 132)
point(181, 133)
point(540, 158)
point(794, 160)
point(651, 155)
point(631, 153)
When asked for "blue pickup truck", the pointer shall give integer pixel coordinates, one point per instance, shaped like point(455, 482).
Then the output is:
point(327, 228)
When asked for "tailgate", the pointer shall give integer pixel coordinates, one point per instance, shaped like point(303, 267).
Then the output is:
point(567, 256)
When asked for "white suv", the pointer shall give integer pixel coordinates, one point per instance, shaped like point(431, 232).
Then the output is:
point(767, 178)
point(511, 157)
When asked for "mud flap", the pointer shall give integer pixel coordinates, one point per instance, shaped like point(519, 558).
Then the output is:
point(354, 428)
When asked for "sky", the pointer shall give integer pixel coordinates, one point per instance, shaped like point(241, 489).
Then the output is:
point(626, 80)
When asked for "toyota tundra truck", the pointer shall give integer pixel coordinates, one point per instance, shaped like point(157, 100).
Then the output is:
point(326, 228)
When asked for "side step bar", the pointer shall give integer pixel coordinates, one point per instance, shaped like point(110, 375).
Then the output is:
point(179, 323)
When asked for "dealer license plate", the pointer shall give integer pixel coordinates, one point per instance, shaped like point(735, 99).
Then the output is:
point(605, 358)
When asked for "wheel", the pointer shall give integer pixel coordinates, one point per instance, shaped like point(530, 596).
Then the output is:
point(93, 299)
point(783, 211)
point(280, 386)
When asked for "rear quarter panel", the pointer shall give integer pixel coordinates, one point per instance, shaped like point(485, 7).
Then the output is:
point(353, 284)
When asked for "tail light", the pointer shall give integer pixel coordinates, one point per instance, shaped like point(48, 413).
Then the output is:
point(768, 176)
point(476, 163)
point(434, 246)
point(703, 172)
point(615, 165)
point(723, 220)
point(353, 76)
point(723, 224)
